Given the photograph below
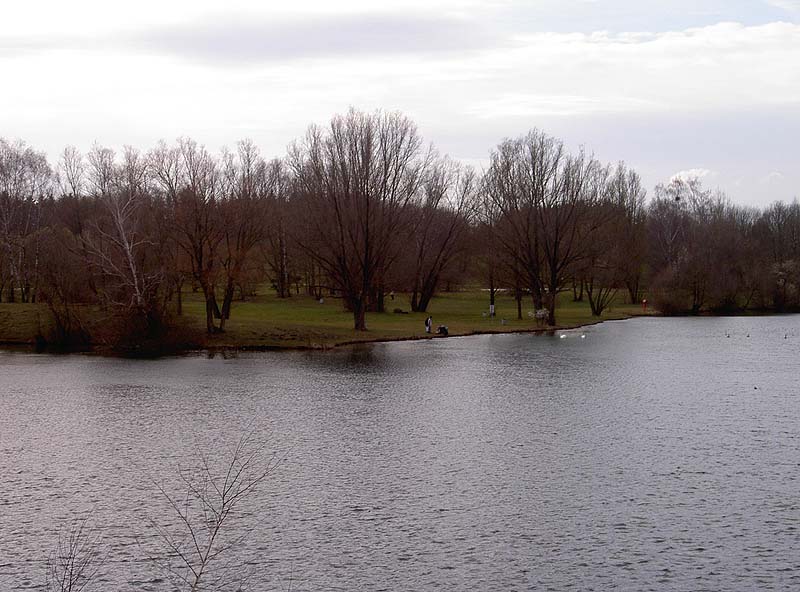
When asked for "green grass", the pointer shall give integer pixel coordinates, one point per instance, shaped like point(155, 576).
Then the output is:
point(300, 321)
point(19, 323)
point(265, 321)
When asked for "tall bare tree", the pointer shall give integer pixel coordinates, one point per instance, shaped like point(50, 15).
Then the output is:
point(544, 198)
point(441, 226)
point(26, 179)
point(124, 245)
point(243, 215)
point(359, 179)
point(190, 178)
point(276, 248)
point(627, 193)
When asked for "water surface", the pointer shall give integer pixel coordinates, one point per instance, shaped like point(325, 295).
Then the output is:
point(644, 454)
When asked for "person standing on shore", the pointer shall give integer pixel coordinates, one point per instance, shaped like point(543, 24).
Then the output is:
point(428, 324)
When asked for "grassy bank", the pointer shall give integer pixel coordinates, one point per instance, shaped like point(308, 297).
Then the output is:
point(266, 321)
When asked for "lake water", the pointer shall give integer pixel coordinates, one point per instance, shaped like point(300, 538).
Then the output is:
point(657, 454)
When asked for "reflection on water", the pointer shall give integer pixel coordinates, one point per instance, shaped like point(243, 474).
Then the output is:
point(649, 454)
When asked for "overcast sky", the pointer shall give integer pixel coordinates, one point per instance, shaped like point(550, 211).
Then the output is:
point(707, 86)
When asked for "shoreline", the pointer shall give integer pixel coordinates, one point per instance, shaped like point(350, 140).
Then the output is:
point(30, 346)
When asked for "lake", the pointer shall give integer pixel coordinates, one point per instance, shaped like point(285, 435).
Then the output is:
point(635, 455)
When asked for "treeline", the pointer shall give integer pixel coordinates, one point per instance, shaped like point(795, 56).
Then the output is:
point(361, 208)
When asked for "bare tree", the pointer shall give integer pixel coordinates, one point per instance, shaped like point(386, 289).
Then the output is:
point(777, 236)
point(72, 172)
point(513, 185)
point(677, 225)
point(359, 179)
point(275, 250)
point(568, 219)
point(65, 288)
point(190, 178)
point(76, 560)
point(25, 180)
point(603, 269)
point(615, 255)
point(627, 193)
point(199, 551)
point(101, 170)
point(360, 207)
point(124, 245)
point(544, 198)
point(243, 211)
point(442, 224)
point(164, 165)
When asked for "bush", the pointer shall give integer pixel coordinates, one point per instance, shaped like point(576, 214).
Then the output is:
point(667, 296)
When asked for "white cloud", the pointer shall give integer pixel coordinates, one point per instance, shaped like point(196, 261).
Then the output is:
point(774, 177)
point(525, 105)
point(238, 40)
point(789, 5)
point(692, 174)
point(80, 71)
point(98, 17)
point(723, 66)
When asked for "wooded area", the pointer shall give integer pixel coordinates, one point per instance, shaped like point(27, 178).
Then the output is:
point(363, 208)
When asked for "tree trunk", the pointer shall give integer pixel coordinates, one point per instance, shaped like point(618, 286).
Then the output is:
point(359, 314)
point(415, 295)
point(492, 291)
point(212, 309)
point(577, 290)
point(594, 303)
point(633, 290)
point(424, 301)
point(284, 287)
point(210, 327)
point(518, 293)
point(381, 300)
point(537, 297)
point(426, 294)
point(227, 299)
point(375, 299)
point(179, 289)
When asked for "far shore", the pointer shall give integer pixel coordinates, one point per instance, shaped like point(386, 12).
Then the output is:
point(423, 337)
point(267, 323)
point(104, 350)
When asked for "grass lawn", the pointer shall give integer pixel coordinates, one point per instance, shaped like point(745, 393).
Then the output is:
point(300, 321)
point(20, 323)
point(266, 321)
